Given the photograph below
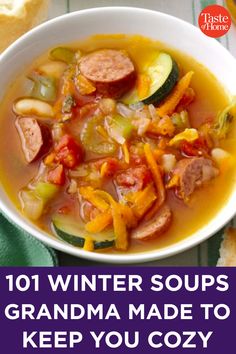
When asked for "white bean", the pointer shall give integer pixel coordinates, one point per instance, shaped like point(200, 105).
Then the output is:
point(31, 106)
point(53, 69)
point(219, 155)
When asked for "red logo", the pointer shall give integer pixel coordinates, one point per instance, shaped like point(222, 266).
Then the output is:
point(214, 21)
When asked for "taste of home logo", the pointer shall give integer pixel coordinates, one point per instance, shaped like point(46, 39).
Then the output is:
point(214, 21)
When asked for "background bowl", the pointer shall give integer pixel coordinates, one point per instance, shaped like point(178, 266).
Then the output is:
point(164, 28)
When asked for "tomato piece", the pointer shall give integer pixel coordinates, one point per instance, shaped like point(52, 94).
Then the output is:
point(112, 165)
point(202, 145)
point(64, 210)
point(197, 148)
point(188, 149)
point(68, 152)
point(66, 141)
point(136, 159)
point(57, 176)
point(138, 178)
point(68, 158)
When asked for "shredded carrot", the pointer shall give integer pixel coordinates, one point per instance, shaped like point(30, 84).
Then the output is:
point(125, 210)
point(143, 85)
point(155, 171)
point(174, 98)
point(99, 223)
point(120, 229)
point(102, 131)
point(173, 182)
point(142, 200)
point(84, 86)
point(88, 244)
point(88, 193)
point(58, 107)
point(126, 153)
point(128, 215)
point(104, 168)
point(49, 159)
point(157, 153)
point(157, 180)
point(121, 215)
point(119, 223)
point(105, 196)
point(68, 87)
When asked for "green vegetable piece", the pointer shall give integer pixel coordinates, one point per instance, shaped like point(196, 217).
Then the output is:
point(62, 54)
point(163, 72)
point(44, 88)
point(73, 232)
point(46, 191)
point(181, 120)
point(32, 205)
point(93, 141)
point(224, 120)
point(119, 128)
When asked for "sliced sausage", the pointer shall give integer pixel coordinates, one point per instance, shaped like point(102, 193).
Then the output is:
point(154, 227)
point(111, 71)
point(35, 137)
point(193, 172)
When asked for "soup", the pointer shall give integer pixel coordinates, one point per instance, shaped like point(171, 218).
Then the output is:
point(117, 144)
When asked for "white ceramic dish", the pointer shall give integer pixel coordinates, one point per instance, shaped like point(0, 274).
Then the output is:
point(170, 30)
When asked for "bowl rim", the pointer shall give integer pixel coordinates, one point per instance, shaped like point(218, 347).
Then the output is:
point(148, 256)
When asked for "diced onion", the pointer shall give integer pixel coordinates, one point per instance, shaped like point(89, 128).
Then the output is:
point(153, 112)
point(27, 87)
point(142, 114)
point(124, 111)
point(72, 189)
point(136, 106)
point(57, 131)
point(168, 162)
point(81, 171)
point(141, 125)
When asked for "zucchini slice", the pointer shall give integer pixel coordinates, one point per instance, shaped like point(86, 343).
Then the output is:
point(163, 73)
point(73, 232)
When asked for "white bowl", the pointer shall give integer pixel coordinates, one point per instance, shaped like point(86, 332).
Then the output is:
point(77, 25)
